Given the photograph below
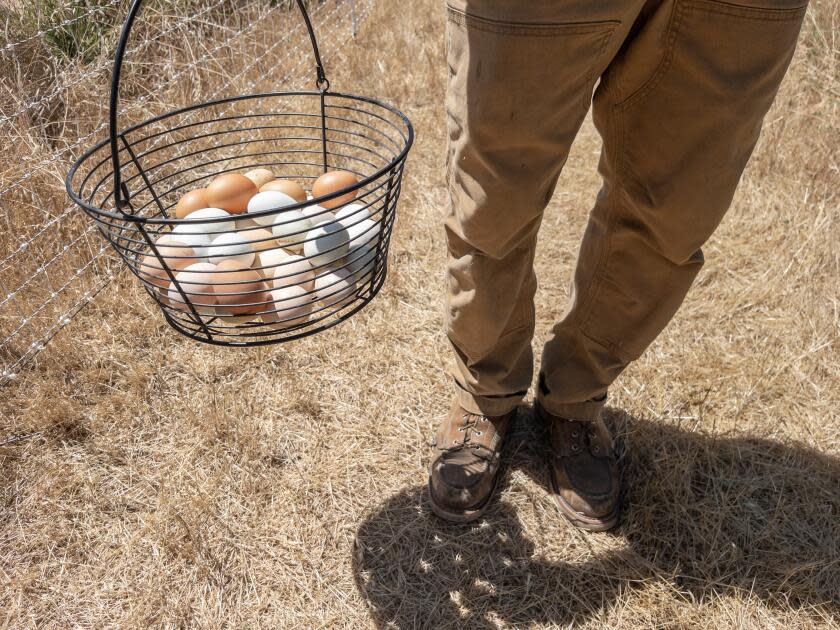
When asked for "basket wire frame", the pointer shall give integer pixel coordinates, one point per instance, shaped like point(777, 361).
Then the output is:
point(130, 183)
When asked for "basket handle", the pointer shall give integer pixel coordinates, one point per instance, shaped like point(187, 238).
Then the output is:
point(121, 193)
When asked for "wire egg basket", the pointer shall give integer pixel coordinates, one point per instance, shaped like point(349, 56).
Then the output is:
point(269, 262)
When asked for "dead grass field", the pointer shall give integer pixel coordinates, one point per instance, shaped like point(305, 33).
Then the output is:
point(165, 483)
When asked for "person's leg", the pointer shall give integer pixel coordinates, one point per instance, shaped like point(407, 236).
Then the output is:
point(679, 111)
point(521, 78)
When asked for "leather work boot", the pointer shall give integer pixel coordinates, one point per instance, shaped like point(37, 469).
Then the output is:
point(583, 470)
point(465, 463)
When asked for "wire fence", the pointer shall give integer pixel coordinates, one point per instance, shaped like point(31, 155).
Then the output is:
point(54, 79)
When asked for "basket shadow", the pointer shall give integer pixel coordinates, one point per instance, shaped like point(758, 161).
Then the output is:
point(707, 516)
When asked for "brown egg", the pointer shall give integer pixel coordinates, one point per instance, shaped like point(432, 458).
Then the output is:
point(260, 176)
point(192, 201)
point(175, 254)
point(239, 289)
point(331, 182)
point(293, 189)
point(231, 192)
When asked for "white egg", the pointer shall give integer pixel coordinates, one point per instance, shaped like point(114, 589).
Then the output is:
point(211, 229)
point(294, 270)
point(352, 213)
point(318, 214)
point(269, 200)
point(292, 306)
point(335, 287)
point(196, 281)
point(360, 262)
point(231, 246)
point(199, 241)
point(363, 232)
point(290, 228)
point(326, 243)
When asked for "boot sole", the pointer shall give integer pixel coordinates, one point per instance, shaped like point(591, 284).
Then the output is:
point(589, 523)
point(462, 516)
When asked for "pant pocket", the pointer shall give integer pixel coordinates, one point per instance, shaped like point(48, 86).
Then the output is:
point(519, 77)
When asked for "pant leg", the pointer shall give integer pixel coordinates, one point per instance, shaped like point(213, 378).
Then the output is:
point(679, 110)
point(521, 78)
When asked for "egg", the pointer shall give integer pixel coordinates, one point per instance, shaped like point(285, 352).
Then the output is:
point(231, 246)
point(176, 256)
point(192, 236)
point(363, 233)
point(360, 262)
point(267, 261)
point(196, 281)
point(290, 227)
point(294, 270)
point(231, 192)
point(291, 307)
point(268, 200)
point(334, 288)
point(239, 290)
point(213, 228)
point(259, 238)
point(260, 176)
point(352, 213)
point(192, 201)
point(293, 189)
point(334, 181)
point(326, 243)
point(318, 214)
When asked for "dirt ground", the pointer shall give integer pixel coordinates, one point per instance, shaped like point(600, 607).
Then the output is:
point(159, 482)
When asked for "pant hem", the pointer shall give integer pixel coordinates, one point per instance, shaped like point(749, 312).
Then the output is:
point(585, 411)
point(487, 405)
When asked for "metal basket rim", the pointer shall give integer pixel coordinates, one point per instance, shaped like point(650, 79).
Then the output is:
point(120, 216)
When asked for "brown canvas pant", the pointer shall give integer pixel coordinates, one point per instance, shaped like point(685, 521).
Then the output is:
point(684, 86)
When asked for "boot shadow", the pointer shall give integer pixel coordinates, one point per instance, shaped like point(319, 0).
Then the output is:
point(709, 516)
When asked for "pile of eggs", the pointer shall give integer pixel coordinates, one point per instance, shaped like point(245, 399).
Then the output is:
point(237, 265)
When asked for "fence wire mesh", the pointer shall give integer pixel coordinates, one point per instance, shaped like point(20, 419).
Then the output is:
point(54, 76)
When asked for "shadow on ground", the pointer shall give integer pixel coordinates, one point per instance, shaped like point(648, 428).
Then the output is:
point(707, 516)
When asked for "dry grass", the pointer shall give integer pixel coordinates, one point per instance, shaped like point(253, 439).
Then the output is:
point(169, 484)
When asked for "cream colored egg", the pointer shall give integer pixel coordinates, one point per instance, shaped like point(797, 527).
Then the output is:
point(334, 288)
point(352, 213)
point(231, 246)
point(260, 176)
point(267, 261)
point(260, 239)
point(291, 306)
point(290, 228)
point(196, 281)
point(294, 270)
point(176, 256)
point(318, 214)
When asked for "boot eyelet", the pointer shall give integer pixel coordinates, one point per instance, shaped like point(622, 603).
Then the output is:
point(575, 434)
point(575, 448)
point(595, 449)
